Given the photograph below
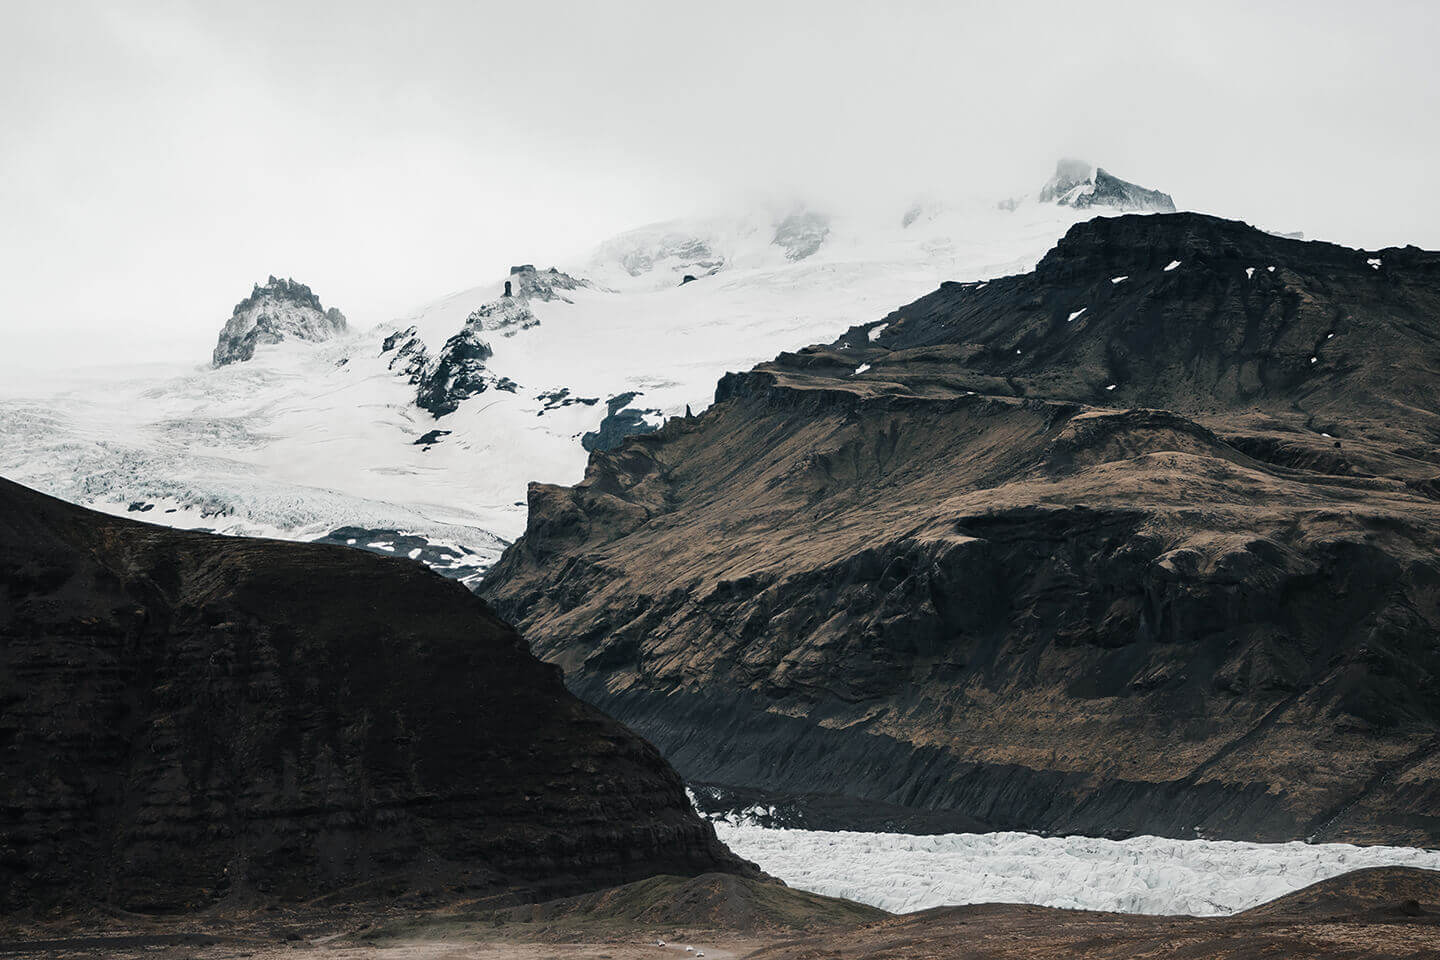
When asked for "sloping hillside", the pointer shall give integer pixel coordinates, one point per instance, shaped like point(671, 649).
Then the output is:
point(186, 717)
point(1145, 541)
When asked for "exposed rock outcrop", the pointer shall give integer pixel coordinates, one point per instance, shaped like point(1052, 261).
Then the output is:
point(185, 717)
point(621, 420)
point(457, 374)
point(543, 285)
point(459, 370)
point(1078, 184)
point(1145, 541)
point(278, 310)
point(411, 355)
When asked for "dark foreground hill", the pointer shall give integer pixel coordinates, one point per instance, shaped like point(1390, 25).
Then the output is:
point(1383, 914)
point(1146, 541)
point(185, 717)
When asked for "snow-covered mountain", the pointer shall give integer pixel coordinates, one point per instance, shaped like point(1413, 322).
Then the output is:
point(418, 437)
point(1078, 184)
point(278, 310)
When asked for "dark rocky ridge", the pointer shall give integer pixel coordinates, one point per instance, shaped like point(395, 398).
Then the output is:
point(972, 578)
point(185, 717)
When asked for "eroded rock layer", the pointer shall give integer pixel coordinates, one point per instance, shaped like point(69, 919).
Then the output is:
point(1146, 541)
point(185, 716)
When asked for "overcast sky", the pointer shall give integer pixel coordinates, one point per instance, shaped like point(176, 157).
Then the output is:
point(158, 158)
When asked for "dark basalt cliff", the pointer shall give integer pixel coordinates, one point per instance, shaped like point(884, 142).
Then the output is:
point(185, 717)
point(1121, 546)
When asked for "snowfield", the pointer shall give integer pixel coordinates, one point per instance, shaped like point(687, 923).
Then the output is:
point(308, 438)
point(903, 873)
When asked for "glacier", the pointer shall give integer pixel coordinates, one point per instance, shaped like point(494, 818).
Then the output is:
point(312, 435)
point(904, 873)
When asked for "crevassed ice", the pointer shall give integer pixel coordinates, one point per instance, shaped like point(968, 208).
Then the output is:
point(1154, 875)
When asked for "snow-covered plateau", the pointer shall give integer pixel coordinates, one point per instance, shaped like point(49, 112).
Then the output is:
point(313, 435)
point(903, 873)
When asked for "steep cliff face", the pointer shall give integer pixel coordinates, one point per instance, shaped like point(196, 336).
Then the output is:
point(185, 717)
point(1147, 541)
point(275, 311)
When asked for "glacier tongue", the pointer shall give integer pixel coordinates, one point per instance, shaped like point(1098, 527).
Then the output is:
point(904, 873)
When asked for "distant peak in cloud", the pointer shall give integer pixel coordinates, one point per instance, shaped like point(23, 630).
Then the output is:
point(1076, 183)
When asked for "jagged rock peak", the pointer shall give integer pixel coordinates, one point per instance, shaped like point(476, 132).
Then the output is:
point(279, 309)
point(1078, 184)
point(458, 374)
point(528, 283)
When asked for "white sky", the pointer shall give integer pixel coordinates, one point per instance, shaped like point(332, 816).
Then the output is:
point(158, 158)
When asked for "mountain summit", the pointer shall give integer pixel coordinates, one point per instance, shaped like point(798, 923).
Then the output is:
point(278, 310)
point(1078, 184)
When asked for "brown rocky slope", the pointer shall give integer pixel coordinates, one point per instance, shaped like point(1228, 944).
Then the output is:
point(185, 717)
point(1168, 564)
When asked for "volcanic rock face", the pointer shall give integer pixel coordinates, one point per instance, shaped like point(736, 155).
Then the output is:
point(1146, 541)
point(621, 421)
point(456, 375)
point(279, 310)
point(1077, 184)
point(184, 716)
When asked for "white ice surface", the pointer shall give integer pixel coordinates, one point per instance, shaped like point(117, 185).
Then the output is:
point(306, 438)
point(903, 873)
